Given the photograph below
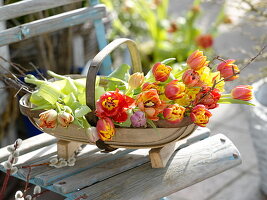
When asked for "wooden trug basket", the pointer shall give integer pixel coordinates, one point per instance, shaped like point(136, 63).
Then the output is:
point(161, 141)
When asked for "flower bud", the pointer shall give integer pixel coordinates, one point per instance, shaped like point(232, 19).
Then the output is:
point(136, 80)
point(174, 90)
point(204, 41)
point(228, 70)
point(53, 161)
point(7, 165)
point(174, 113)
point(28, 197)
point(197, 60)
point(18, 194)
point(208, 97)
point(18, 142)
point(64, 119)
point(13, 170)
point(138, 119)
point(242, 92)
point(161, 72)
point(92, 134)
point(200, 115)
point(105, 129)
point(37, 189)
point(191, 78)
point(11, 148)
point(48, 119)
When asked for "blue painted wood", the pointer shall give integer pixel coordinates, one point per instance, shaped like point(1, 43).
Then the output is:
point(102, 42)
point(21, 8)
point(50, 24)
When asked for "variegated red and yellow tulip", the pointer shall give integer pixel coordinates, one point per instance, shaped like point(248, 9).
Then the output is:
point(174, 90)
point(191, 78)
point(147, 86)
point(150, 103)
point(242, 92)
point(197, 60)
point(64, 119)
point(228, 70)
point(208, 97)
point(105, 129)
point(174, 113)
point(200, 115)
point(161, 72)
point(114, 104)
point(48, 119)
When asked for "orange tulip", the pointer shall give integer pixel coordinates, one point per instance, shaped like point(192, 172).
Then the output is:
point(228, 70)
point(149, 103)
point(161, 72)
point(174, 113)
point(204, 41)
point(105, 129)
point(174, 90)
point(200, 115)
point(197, 60)
point(48, 119)
point(191, 78)
point(64, 119)
point(242, 92)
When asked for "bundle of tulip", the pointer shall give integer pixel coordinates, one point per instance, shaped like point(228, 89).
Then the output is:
point(166, 93)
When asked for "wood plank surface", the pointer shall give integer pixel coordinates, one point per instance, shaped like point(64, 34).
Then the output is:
point(187, 167)
point(30, 6)
point(50, 24)
point(30, 144)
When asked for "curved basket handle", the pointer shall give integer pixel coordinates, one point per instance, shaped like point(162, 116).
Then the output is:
point(95, 66)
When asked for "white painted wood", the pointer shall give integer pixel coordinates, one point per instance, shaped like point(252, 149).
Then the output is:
point(106, 170)
point(50, 24)
point(188, 166)
point(78, 52)
point(30, 144)
point(30, 6)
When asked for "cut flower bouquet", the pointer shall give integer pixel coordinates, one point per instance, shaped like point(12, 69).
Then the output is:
point(169, 96)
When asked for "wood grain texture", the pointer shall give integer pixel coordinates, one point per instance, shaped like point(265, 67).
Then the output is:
point(30, 6)
point(50, 24)
point(30, 144)
point(188, 166)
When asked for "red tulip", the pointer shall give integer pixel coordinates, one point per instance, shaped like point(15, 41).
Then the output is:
point(200, 115)
point(228, 70)
point(208, 97)
point(161, 72)
point(105, 129)
point(174, 90)
point(114, 104)
point(174, 113)
point(197, 60)
point(242, 92)
point(204, 41)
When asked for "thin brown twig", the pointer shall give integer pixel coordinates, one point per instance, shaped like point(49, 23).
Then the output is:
point(37, 165)
point(37, 70)
point(27, 182)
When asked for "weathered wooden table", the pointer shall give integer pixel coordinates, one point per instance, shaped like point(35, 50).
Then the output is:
point(126, 174)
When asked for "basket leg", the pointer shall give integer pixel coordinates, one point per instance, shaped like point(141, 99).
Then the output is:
point(160, 156)
point(66, 149)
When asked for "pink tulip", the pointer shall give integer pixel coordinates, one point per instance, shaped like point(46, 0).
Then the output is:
point(174, 90)
point(228, 70)
point(161, 72)
point(191, 78)
point(242, 92)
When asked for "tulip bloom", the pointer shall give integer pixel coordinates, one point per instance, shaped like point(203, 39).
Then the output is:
point(161, 72)
point(197, 60)
point(228, 70)
point(204, 41)
point(64, 119)
point(174, 90)
point(200, 115)
point(48, 119)
point(149, 103)
point(147, 86)
point(105, 129)
point(114, 104)
point(174, 113)
point(136, 80)
point(208, 97)
point(242, 92)
point(191, 78)
point(138, 119)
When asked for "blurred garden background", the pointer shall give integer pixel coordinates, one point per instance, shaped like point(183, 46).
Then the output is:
point(162, 29)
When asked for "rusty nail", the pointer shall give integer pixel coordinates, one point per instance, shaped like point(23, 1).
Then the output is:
point(222, 140)
point(235, 155)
